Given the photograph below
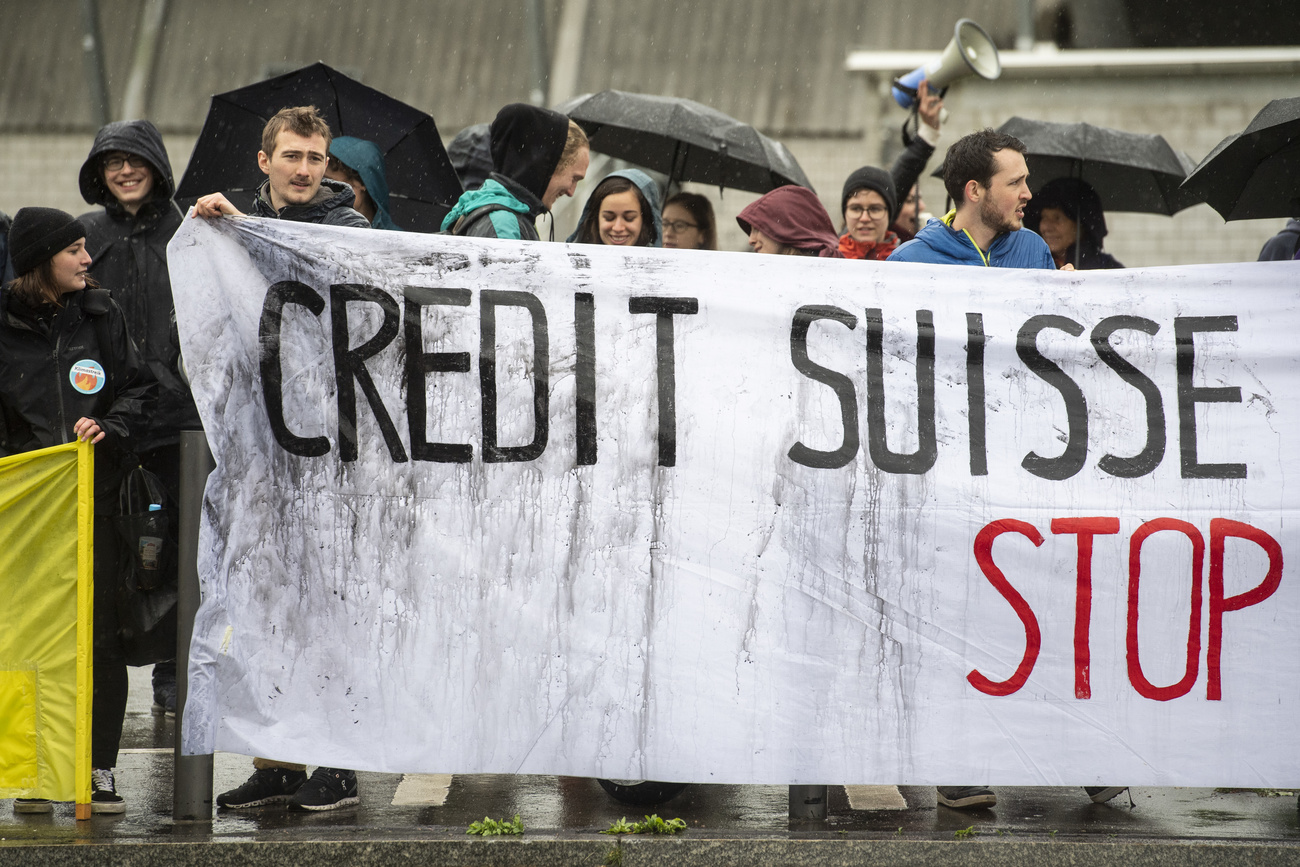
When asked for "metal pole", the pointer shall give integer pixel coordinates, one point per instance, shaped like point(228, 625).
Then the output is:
point(541, 63)
point(807, 802)
point(192, 775)
point(91, 44)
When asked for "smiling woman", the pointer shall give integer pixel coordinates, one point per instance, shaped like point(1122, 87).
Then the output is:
point(623, 211)
point(68, 371)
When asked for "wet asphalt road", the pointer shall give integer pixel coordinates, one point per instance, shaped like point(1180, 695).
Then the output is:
point(573, 808)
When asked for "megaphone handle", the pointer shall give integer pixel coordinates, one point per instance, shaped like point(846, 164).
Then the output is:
point(943, 115)
point(897, 84)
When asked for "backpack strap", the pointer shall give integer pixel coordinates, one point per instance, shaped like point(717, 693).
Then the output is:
point(463, 223)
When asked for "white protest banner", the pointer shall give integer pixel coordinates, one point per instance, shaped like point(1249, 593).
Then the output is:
point(484, 506)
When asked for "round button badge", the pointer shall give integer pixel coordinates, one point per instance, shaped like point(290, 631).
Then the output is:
point(87, 376)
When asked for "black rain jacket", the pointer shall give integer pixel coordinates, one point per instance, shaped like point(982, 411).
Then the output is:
point(129, 255)
point(332, 206)
point(39, 402)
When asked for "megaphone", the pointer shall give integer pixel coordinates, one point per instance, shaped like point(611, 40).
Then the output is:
point(970, 52)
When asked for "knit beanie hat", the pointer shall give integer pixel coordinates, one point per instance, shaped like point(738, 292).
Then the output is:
point(38, 233)
point(871, 178)
point(527, 143)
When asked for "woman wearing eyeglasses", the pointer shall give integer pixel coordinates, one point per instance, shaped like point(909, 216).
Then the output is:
point(689, 223)
point(869, 204)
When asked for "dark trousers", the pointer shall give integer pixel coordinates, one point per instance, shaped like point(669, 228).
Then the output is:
point(110, 683)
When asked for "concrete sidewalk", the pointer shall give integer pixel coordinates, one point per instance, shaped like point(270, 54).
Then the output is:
point(422, 820)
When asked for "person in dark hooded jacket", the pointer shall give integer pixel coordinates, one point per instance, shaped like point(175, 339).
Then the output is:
point(1066, 211)
point(129, 174)
point(69, 371)
point(1284, 245)
point(539, 155)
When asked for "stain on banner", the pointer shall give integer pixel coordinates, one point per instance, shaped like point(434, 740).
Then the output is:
point(719, 517)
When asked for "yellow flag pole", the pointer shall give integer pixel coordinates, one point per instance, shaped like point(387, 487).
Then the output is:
point(85, 621)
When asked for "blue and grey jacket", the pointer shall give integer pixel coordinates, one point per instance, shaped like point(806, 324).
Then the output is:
point(939, 244)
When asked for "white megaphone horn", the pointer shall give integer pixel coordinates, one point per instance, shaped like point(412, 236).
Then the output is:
point(970, 52)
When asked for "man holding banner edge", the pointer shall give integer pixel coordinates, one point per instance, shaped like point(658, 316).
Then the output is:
point(986, 174)
point(296, 189)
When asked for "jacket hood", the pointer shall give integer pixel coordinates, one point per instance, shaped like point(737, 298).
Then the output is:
point(470, 153)
point(135, 137)
point(649, 191)
point(1078, 201)
point(493, 192)
point(527, 143)
point(365, 158)
point(793, 216)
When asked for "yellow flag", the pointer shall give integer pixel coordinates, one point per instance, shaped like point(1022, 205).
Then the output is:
point(46, 534)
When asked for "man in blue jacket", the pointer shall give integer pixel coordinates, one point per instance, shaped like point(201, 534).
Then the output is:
point(986, 175)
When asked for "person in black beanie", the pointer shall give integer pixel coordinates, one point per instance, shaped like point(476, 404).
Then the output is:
point(69, 371)
point(868, 204)
point(538, 156)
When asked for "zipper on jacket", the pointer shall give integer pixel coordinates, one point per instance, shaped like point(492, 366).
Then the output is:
point(948, 219)
point(58, 383)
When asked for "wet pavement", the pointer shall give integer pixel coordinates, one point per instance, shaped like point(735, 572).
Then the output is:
point(423, 819)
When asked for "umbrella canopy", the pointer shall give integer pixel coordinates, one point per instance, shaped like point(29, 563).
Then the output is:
point(1130, 171)
point(1255, 173)
point(683, 139)
point(422, 185)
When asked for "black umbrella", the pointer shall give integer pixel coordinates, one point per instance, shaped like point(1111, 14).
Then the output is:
point(422, 185)
point(1130, 171)
point(683, 139)
point(1255, 173)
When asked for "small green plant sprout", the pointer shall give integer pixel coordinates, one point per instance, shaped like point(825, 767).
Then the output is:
point(965, 833)
point(496, 828)
point(1051, 833)
point(899, 832)
point(620, 826)
point(651, 825)
point(614, 857)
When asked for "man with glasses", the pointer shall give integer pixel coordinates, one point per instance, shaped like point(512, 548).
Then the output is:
point(129, 174)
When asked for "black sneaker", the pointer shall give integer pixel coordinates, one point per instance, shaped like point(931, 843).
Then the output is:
point(33, 805)
point(164, 700)
point(1102, 794)
point(328, 789)
point(966, 797)
point(265, 786)
point(103, 793)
